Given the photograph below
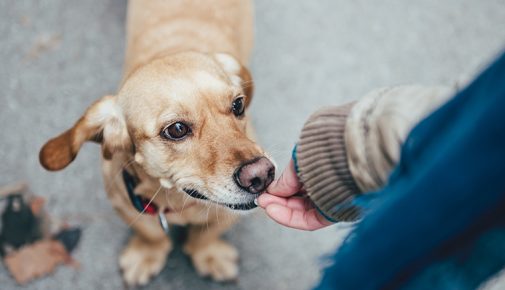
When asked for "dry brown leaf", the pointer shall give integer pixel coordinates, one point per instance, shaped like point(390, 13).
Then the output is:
point(36, 260)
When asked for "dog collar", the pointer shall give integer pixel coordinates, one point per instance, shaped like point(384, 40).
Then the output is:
point(142, 204)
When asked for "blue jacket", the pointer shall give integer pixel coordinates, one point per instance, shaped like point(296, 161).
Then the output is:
point(440, 221)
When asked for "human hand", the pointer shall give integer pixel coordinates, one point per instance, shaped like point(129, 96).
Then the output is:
point(286, 203)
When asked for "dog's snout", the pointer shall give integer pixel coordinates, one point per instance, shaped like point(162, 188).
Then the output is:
point(256, 175)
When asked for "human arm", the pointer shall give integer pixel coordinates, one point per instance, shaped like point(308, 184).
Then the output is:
point(345, 152)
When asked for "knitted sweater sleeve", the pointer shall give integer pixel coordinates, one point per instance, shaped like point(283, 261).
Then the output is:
point(347, 151)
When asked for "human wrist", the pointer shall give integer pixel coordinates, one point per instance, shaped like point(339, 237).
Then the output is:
point(322, 166)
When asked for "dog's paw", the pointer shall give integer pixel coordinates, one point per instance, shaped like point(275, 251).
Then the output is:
point(218, 260)
point(141, 260)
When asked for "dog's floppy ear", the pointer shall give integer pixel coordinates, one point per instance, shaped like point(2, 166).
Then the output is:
point(103, 122)
point(237, 73)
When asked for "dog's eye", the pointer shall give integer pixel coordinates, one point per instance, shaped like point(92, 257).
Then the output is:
point(176, 131)
point(238, 107)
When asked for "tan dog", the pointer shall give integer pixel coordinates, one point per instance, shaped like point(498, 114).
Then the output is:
point(178, 126)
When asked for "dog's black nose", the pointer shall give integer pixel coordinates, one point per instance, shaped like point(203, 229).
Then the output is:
point(256, 175)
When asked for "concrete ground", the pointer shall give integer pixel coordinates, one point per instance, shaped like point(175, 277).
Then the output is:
point(57, 56)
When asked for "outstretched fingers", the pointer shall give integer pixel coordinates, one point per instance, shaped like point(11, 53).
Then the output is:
point(301, 219)
point(287, 184)
point(295, 202)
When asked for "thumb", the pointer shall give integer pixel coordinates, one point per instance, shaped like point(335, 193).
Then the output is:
point(287, 184)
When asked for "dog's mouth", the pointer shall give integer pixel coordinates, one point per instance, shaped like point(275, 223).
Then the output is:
point(235, 206)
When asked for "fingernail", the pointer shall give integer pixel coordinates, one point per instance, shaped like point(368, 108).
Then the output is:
point(256, 201)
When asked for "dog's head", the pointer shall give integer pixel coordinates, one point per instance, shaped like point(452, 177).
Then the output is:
point(183, 120)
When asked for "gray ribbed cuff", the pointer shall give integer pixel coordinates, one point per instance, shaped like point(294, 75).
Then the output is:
point(323, 166)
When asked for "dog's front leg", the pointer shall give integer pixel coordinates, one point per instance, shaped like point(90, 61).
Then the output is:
point(211, 255)
point(146, 252)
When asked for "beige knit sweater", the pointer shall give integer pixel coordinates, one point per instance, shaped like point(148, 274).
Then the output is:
point(350, 150)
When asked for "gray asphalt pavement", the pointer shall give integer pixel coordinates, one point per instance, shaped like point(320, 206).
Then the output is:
point(58, 56)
